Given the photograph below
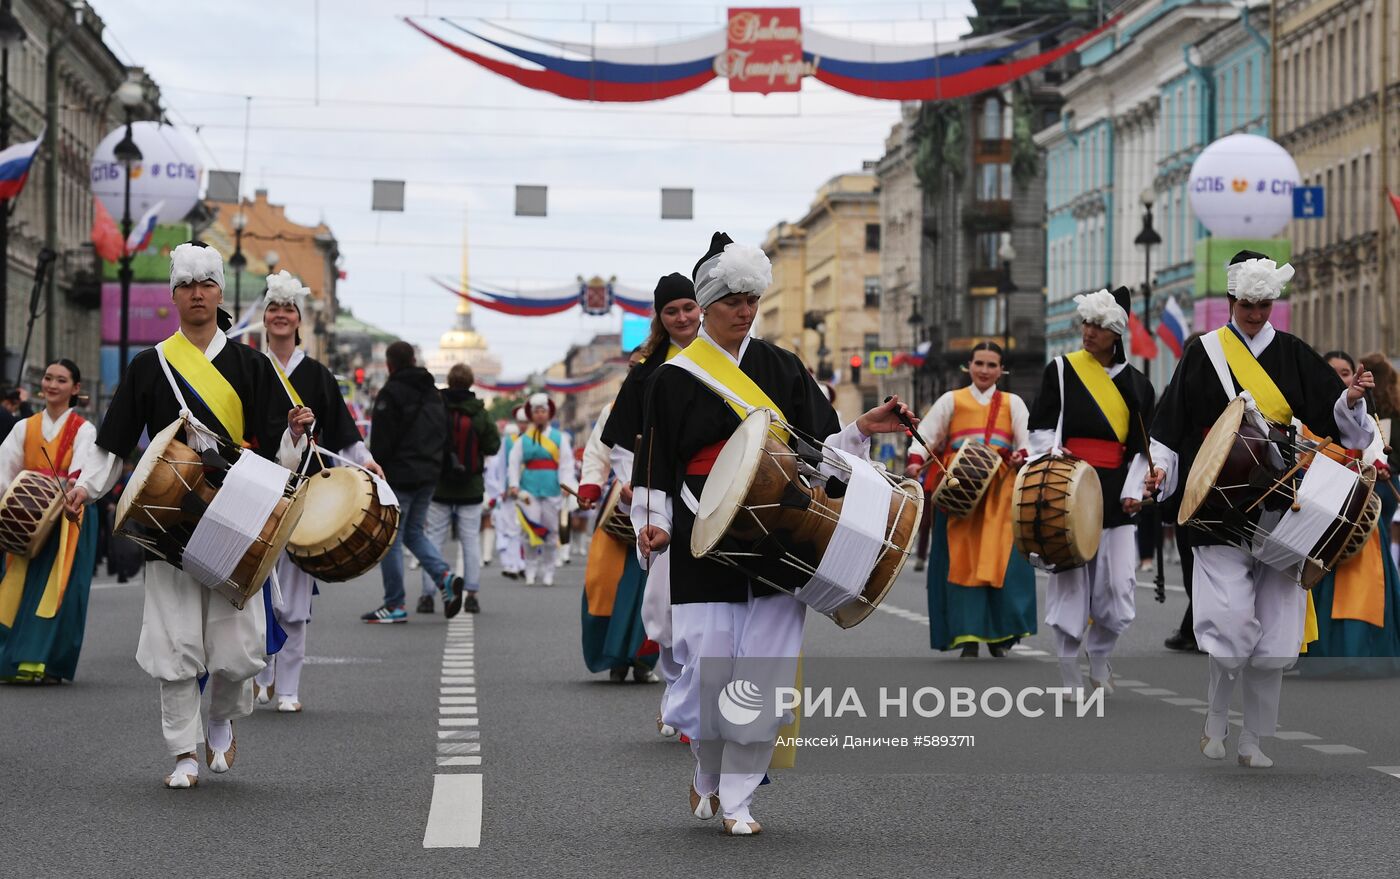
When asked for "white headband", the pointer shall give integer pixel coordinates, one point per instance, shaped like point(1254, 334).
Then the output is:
point(283, 289)
point(741, 268)
point(1102, 310)
point(1257, 280)
point(190, 263)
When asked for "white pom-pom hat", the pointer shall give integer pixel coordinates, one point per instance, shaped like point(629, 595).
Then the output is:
point(1101, 309)
point(1257, 280)
point(283, 289)
point(538, 401)
point(191, 263)
point(730, 268)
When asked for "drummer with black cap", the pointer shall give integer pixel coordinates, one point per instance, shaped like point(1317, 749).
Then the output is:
point(1094, 405)
point(1248, 616)
point(718, 614)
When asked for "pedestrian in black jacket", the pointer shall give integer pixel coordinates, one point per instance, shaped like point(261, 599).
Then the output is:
point(407, 436)
point(457, 503)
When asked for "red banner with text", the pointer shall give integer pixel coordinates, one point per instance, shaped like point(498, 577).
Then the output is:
point(764, 51)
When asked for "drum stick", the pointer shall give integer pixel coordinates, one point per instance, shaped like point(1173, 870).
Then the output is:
point(62, 486)
point(913, 434)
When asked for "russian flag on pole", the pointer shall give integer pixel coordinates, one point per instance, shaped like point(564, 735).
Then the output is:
point(1172, 328)
point(143, 230)
point(15, 162)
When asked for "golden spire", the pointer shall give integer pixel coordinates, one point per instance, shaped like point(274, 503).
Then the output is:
point(463, 306)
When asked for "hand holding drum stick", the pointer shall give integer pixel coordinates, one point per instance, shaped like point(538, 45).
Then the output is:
point(68, 513)
point(913, 434)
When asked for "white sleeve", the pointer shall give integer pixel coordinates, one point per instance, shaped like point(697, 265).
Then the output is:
point(492, 476)
point(100, 468)
point(596, 458)
point(622, 462)
point(1132, 483)
point(568, 469)
point(933, 427)
point(358, 453)
point(1040, 442)
point(1020, 421)
point(1353, 423)
point(850, 440)
point(1166, 460)
point(514, 465)
point(289, 451)
point(650, 507)
point(12, 454)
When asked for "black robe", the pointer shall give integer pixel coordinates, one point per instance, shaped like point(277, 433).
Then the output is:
point(144, 403)
point(1085, 420)
point(625, 422)
point(1195, 399)
point(683, 416)
point(335, 427)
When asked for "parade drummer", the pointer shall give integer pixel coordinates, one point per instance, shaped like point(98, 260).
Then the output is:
point(718, 613)
point(979, 591)
point(187, 631)
point(1094, 405)
point(541, 467)
point(44, 599)
point(309, 385)
point(1249, 616)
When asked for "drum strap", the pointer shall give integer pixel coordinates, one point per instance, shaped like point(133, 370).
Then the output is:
point(205, 380)
point(1225, 345)
point(993, 411)
point(286, 382)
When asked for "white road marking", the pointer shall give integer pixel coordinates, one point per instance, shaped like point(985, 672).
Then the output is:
point(1392, 771)
point(1294, 736)
point(454, 819)
point(1334, 749)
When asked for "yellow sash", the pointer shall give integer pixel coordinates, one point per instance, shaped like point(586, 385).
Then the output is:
point(1103, 390)
point(542, 440)
point(286, 382)
point(208, 382)
point(718, 364)
point(672, 351)
point(1253, 378)
point(530, 535)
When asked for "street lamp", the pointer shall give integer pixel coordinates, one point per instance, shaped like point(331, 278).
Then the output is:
point(1007, 254)
point(1146, 239)
point(238, 262)
point(916, 324)
point(11, 35)
point(129, 95)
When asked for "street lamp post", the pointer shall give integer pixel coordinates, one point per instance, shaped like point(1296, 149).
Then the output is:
point(1007, 254)
point(916, 323)
point(238, 262)
point(1146, 239)
point(130, 95)
point(11, 35)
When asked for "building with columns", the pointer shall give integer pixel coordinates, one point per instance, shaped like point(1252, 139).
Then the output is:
point(1332, 61)
point(1167, 80)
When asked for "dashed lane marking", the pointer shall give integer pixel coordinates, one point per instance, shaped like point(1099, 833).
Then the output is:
point(454, 817)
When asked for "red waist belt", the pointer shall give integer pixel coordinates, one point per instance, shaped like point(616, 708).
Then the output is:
point(704, 460)
point(541, 464)
point(1105, 454)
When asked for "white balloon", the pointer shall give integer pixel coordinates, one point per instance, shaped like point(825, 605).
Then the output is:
point(168, 172)
point(1242, 187)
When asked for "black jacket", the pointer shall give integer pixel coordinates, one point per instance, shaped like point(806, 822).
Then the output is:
point(461, 481)
point(409, 429)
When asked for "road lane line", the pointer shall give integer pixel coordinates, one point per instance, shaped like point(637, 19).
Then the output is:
point(454, 819)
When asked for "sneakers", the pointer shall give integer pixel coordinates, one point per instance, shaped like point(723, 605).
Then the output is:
point(425, 604)
point(470, 604)
point(548, 577)
point(451, 595)
point(529, 577)
point(387, 615)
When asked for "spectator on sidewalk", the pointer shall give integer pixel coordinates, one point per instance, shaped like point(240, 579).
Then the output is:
point(458, 502)
point(409, 431)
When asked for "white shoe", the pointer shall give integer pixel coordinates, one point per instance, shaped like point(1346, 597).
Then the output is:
point(220, 761)
point(180, 779)
point(262, 695)
point(288, 706)
point(529, 577)
point(1214, 749)
point(1253, 758)
point(549, 578)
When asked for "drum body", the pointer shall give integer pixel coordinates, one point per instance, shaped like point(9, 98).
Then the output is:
point(762, 502)
point(345, 530)
point(967, 480)
point(611, 519)
point(173, 487)
point(1243, 487)
point(28, 511)
point(1057, 510)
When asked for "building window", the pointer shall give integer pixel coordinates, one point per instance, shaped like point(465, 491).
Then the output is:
point(992, 127)
point(986, 316)
point(872, 343)
point(872, 291)
point(994, 182)
point(872, 237)
point(985, 248)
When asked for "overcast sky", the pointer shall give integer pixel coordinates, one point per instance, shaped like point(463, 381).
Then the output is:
point(380, 101)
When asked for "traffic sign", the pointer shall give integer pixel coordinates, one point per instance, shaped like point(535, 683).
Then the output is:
point(1309, 203)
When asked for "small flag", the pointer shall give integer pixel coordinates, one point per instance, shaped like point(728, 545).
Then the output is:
point(143, 230)
point(1142, 343)
point(15, 162)
point(106, 237)
point(1394, 202)
point(1171, 328)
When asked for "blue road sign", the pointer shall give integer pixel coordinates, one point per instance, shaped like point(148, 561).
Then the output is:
point(1309, 203)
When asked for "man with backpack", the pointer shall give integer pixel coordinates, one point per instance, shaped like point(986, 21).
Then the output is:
point(407, 437)
point(458, 502)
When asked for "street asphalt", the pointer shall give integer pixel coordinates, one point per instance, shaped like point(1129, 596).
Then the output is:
point(575, 781)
